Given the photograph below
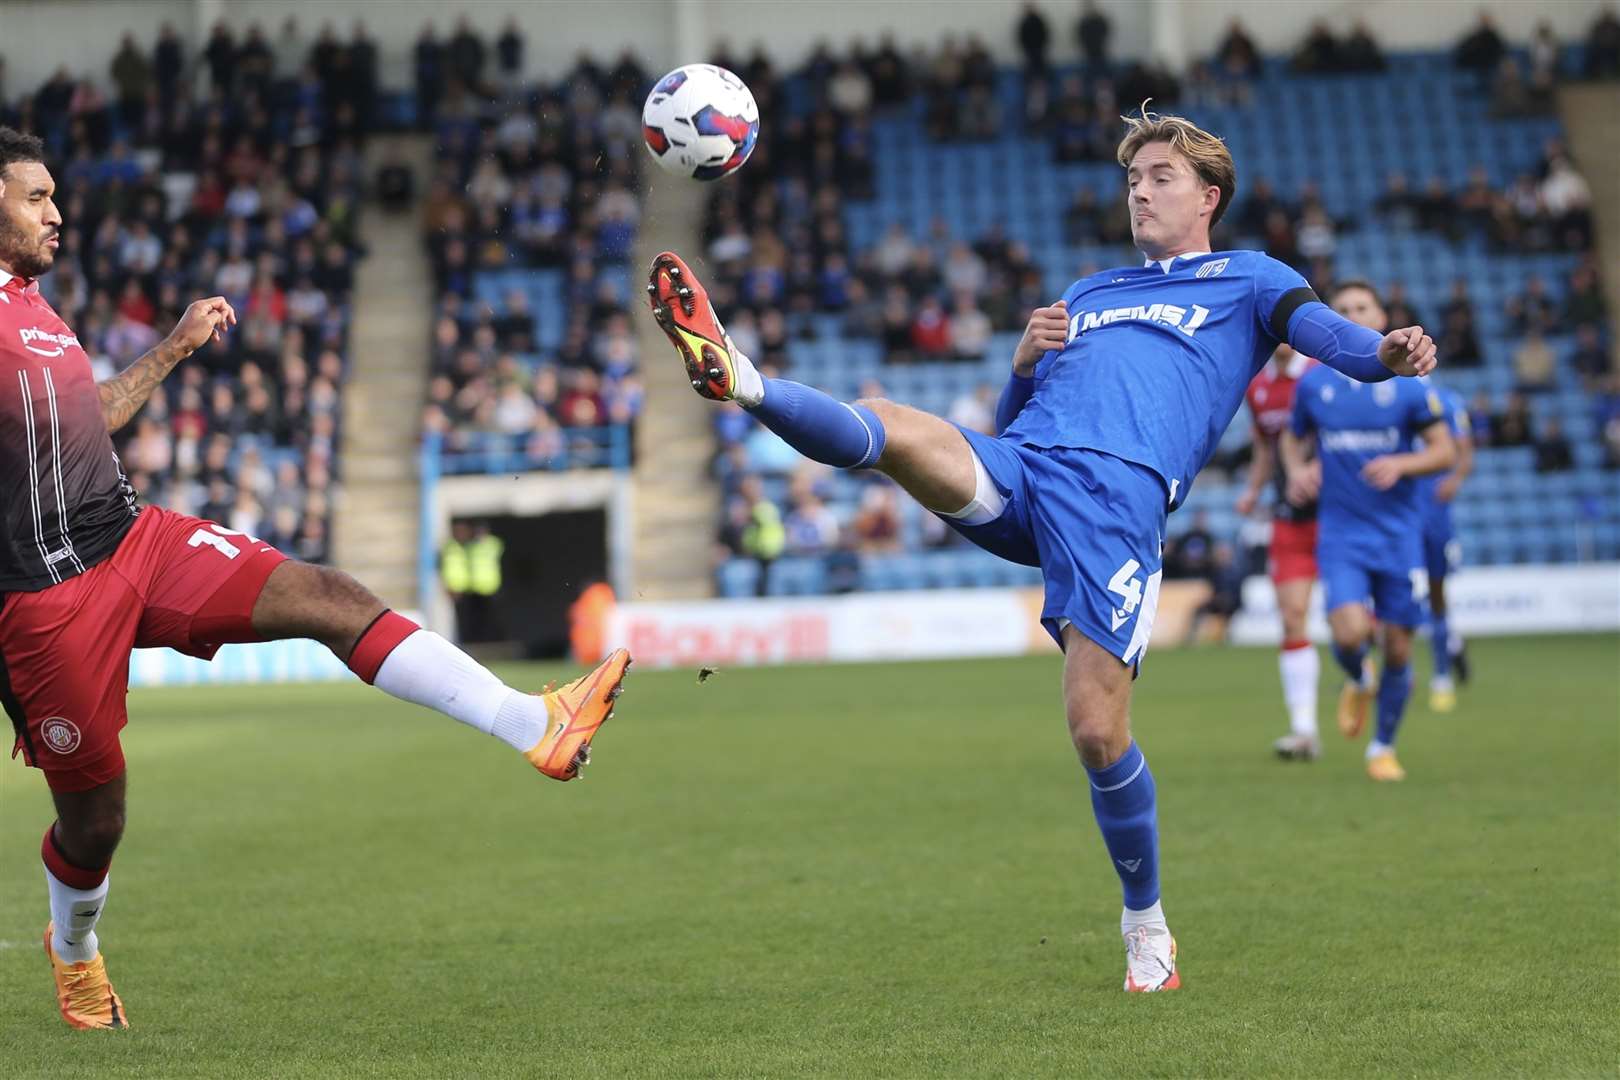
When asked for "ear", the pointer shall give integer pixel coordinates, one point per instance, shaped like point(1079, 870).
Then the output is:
point(1212, 199)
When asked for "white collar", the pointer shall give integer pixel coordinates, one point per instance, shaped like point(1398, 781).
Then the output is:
point(4, 279)
point(1164, 264)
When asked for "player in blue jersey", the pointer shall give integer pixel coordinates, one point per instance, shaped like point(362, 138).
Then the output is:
point(1442, 553)
point(1118, 394)
point(1372, 441)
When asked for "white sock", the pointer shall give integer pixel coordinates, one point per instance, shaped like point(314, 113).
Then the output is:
point(1374, 748)
point(750, 388)
point(428, 670)
point(1152, 916)
point(74, 913)
point(1441, 684)
point(1300, 668)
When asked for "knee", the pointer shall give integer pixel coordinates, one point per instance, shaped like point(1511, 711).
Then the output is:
point(882, 408)
point(1099, 738)
point(90, 840)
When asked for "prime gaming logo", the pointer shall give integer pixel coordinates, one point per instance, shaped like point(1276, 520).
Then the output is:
point(57, 344)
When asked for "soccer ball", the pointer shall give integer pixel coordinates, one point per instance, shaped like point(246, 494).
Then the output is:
point(700, 121)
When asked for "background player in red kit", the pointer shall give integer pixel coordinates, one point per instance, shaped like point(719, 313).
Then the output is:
point(87, 573)
point(1293, 548)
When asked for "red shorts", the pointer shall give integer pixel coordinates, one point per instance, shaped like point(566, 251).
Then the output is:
point(1293, 551)
point(64, 651)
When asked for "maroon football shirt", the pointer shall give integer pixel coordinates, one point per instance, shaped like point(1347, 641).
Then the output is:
point(64, 499)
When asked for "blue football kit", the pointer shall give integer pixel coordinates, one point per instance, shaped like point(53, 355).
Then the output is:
point(1442, 552)
point(1104, 440)
point(1370, 541)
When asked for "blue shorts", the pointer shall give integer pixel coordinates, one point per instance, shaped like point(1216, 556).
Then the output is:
point(1093, 523)
point(1442, 551)
point(1397, 585)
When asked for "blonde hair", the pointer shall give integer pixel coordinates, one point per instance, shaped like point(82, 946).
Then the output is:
point(1206, 153)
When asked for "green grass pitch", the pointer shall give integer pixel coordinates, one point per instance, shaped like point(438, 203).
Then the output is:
point(885, 870)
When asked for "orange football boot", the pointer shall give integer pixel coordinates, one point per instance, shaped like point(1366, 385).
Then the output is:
point(84, 995)
point(575, 712)
point(1384, 768)
point(1356, 700)
point(682, 308)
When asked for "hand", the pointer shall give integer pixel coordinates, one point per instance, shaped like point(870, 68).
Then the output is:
point(1304, 483)
point(1407, 352)
point(204, 321)
point(1247, 501)
point(1383, 473)
point(1446, 490)
point(1048, 330)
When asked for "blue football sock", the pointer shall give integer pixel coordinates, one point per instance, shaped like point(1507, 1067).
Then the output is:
point(1393, 691)
point(1440, 638)
point(1351, 660)
point(1122, 797)
point(820, 427)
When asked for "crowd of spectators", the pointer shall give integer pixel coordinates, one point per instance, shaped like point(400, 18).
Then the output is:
point(535, 177)
point(236, 172)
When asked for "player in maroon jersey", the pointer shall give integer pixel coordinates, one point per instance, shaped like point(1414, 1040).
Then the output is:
point(87, 573)
point(1293, 548)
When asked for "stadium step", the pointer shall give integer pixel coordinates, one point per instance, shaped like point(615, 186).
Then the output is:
point(1591, 116)
point(375, 525)
point(676, 505)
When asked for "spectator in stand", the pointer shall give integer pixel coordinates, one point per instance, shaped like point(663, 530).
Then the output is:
point(1588, 358)
point(975, 410)
point(1359, 52)
point(1568, 201)
point(1034, 40)
point(1553, 452)
point(1532, 309)
point(876, 526)
point(812, 528)
point(1534, 365)
point(1236, 55)
point(970, 328)
point(931, 330)
point(1481, 50)
point(1584, 302)
point(1512, 426)
point(509, 53)
point(1319, 53)
point(1603, 46)
point(1092, 33)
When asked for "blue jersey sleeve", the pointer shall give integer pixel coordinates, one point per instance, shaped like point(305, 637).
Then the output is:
point(1279, 291)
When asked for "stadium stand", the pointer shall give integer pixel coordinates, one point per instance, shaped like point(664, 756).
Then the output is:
point(251, 190)
point(891, 249)
point(529, 224)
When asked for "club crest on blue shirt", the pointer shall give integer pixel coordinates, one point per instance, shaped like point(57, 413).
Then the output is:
point(1327, 393)
point(1384, 393)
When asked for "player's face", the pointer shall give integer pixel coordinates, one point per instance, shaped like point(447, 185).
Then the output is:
point(29, 222)
point(1362, 307)
point(1170, 206)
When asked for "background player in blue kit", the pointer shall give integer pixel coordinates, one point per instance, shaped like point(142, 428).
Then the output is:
point(1442, 552)
point(1118, 395)
point(1370, 517)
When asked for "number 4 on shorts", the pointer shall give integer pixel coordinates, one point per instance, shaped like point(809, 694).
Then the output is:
point(1129, 588)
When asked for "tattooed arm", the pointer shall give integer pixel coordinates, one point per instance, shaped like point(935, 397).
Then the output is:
point(123, 395)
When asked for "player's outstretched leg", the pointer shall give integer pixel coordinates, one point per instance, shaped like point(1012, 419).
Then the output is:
point(552, 729)
point(1394, 690)
point(77, 851)
point(1097, 691)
